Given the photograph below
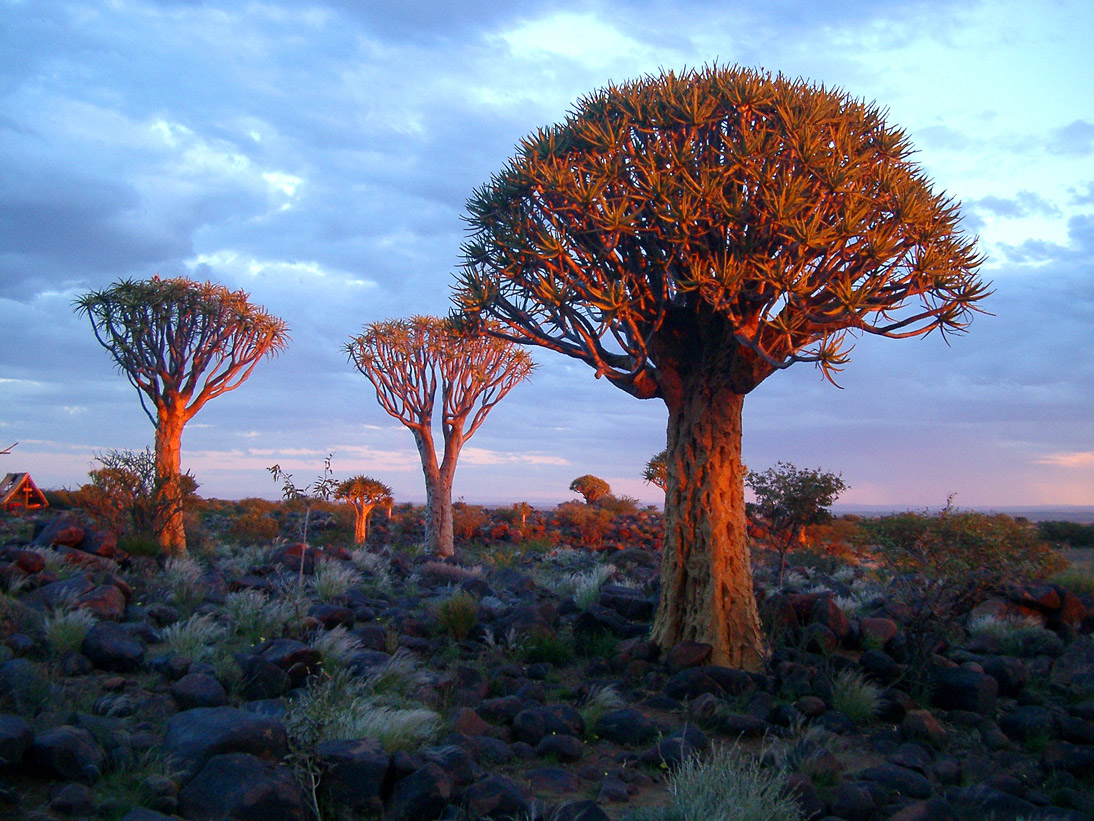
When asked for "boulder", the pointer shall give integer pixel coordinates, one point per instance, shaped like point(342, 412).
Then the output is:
point(532, 724)
point(198, 690)
point(958, 688)
point(194, 736)
point(627, 727)
point(110, 647)
point(241, 786)
point(422, 794)
point(16, 735)
point(494, 796)
point(353, 773)
point(68, 752)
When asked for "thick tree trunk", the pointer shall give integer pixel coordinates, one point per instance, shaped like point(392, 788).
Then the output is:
point(706, 574)
point(360, 524)
point(439, 536)
point(172, 534)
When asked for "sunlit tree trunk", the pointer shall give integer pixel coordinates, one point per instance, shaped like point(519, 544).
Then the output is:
point(172, 534)
point(360, 524)
point(439, 534)
point(706, 574)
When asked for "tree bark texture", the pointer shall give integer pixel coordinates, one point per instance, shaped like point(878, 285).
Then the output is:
point(706, 574)
point(439, 533)
point(172, 534)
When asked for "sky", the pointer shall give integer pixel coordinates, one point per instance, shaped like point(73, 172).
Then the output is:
point(318, 155)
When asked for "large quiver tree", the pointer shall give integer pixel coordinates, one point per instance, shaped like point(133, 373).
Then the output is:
point(689, 234)
point(407, 360)
point(180, 343)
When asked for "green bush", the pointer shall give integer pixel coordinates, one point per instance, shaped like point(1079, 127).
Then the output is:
point(65, 629)
point(548, 647)
point(458, 615)
point(254, 526)
point(855, 697)
point(1072, 534)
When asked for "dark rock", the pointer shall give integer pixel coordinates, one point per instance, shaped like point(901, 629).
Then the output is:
point(691, 683)
point(532, 724)
point(241, 786)
point(628, 602)
point(1071, 758)
point(600, 620)
point(353, 773)
point(826, 612)
point(801, 789)
point(912, 757)
point(877, 631)
point(262, 679)
point(494, 797)
point(688, 654)
point(198, 690)
point(58, 594)
point(958, 688)
point(1024, 724)
point(145, 814)
point(195, 736)
point(68, 752)
point(291, 655)
point(456, 761)
point(1012, 674)
point(110, 647)
point(674, 749)
point(933, 809)
point(63, 529)
point(566, 748)
point(16, 735)
point(899, 780)
point(105, 602)
point(332, 615)
point(628, 727)
point(921, 725)
point(852, 801)
point(423, 794)
point(502, 709)
point(577, 811)
point(880, 666)
point(72, 799)
point(555, 780)
point(736, 725)
point(982, 801)
point(24, 683)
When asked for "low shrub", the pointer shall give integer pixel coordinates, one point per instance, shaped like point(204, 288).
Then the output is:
point(458, 615)
point(855, 697)
point(65, 629)
point(254, 526)
point(194, 638)
point(333, 578)
point(727, 786)
point(255, 617)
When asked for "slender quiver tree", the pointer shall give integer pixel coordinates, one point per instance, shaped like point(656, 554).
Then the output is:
point(180, 343)
point(407, 360)
point(364, 493)
point(687, 235)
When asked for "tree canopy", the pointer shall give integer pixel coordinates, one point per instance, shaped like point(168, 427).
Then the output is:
point(176, 339)
point(785, 215)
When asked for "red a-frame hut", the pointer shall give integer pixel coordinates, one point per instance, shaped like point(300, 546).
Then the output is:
point(18, 490)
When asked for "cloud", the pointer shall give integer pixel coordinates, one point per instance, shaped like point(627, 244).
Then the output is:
point(1078, 459)
point(1075, 138)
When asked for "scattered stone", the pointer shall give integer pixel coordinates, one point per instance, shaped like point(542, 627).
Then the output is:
point(16, 735)
point(198, 690)
point(494, 796)
point(688, 654)
point(194, 736)
point(69, 753)
point(627, 727)
point(958, 688)
point(423, 794)
point(110, 647)
point(532, 724)
point(237, 785)
point(353, 773)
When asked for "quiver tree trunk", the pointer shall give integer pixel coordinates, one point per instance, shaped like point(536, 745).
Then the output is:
point(706, 574)
point(360, 523)
point(169, 518)
point(439, 534)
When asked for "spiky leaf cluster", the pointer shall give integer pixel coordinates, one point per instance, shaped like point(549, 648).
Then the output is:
point(180, 340)
point(408, 359)
point(787, 214)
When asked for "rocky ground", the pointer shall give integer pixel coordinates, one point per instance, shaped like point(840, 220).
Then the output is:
point(277, 682)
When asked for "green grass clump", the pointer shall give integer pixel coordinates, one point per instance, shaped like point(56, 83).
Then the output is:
point(336, 647)
point(1076, 579)
point(1015, 637)
point(458, 615)
point(255, 618)
point(183, 580)
point(333, 578)
point(548, 647)
point(194, 638)
point(855, 697)
point(341, 707)
point(65, 629)
point(725, 786)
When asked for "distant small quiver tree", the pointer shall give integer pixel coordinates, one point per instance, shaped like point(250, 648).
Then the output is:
point(687, 235)
point(590, 487)
point(407, 361)
point(364, 494)
point(180, 343)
